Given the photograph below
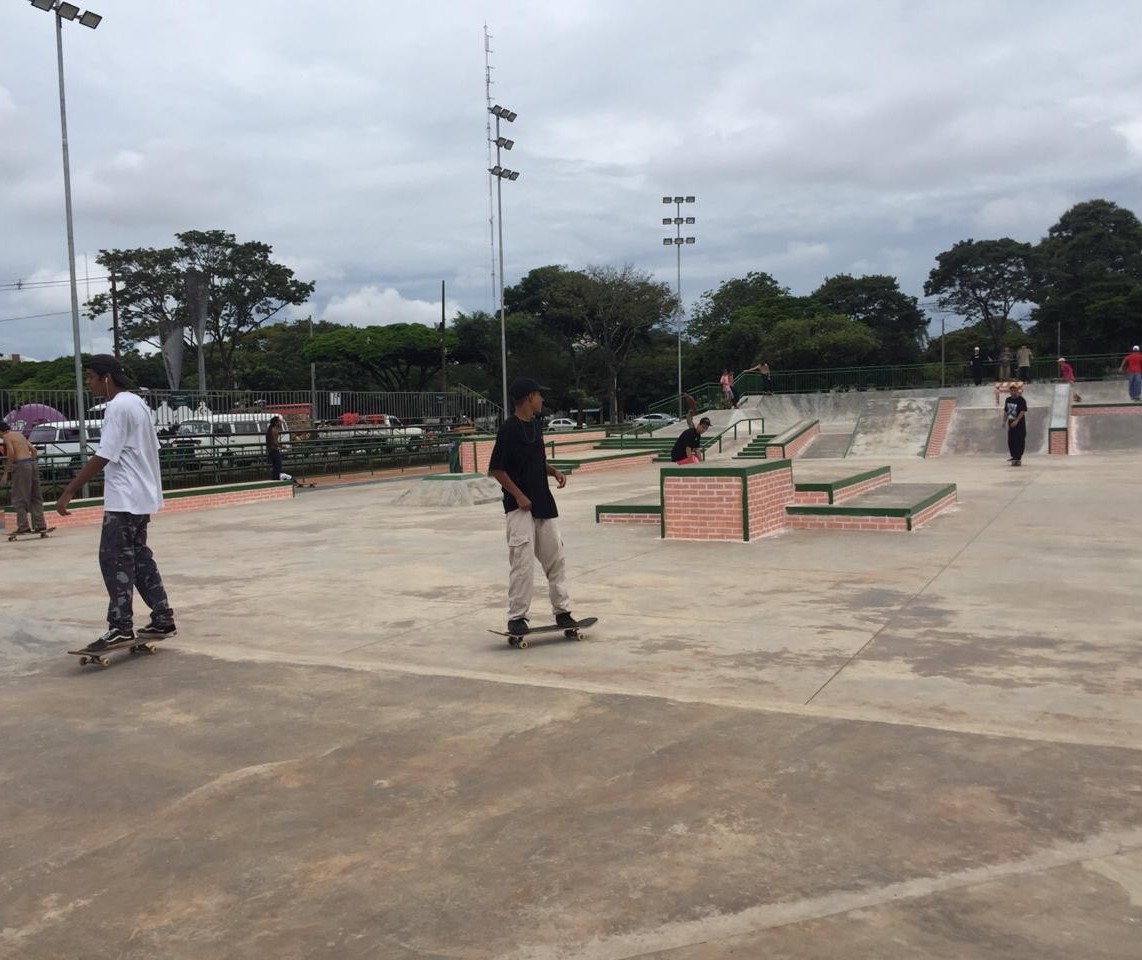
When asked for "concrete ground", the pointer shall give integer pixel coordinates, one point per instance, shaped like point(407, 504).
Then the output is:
point(815, 745)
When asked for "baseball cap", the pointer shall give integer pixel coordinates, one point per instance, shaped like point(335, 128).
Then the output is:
point(522, 387)
point(106, 365)
point(1136, 347)
point(1062, 359)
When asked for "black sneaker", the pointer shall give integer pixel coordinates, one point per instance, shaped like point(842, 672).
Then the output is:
point(518, 627)
point(109, 639)
point(157, 630)
point(566, 621)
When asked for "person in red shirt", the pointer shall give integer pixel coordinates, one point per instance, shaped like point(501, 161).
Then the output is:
point(1132, 366)
point(1067, 372)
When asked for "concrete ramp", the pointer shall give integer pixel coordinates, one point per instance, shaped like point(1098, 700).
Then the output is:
point(982, 432)
point(893, 427)
point(827, 446)
point(1118, 433)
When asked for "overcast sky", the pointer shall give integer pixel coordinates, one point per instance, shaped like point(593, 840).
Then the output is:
point(818, 137)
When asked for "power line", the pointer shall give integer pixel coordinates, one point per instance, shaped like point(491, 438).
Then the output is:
point(17, 285)
point(36, 316)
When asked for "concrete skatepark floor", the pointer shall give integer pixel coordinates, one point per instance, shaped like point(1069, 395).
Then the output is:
point(813, 745)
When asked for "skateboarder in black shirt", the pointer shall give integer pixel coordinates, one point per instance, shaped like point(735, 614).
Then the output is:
point(519, 464)
point(688, 447)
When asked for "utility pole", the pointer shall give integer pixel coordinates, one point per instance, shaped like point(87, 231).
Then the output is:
point(114, 318)
point(443, 349)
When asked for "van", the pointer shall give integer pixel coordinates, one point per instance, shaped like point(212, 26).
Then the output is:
point(232, 438)
point(57, 445)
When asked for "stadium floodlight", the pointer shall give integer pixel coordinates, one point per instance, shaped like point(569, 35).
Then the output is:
point(69, 11)
point(678, 241)
point(501, 174)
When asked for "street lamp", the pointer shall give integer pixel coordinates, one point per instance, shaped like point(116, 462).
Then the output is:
point(501, 174)
point(69, 11)
point(677, 241)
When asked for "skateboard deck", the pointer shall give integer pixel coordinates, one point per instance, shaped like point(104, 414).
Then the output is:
point(570, 633)
point(100, 657)
point(31, 535)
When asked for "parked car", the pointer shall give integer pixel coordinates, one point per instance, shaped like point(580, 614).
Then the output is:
point(561, 425)
point(231, 437)
point(57, 446)
point(655, 420)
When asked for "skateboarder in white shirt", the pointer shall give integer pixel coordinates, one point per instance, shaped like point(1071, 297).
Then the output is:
point(128, 455)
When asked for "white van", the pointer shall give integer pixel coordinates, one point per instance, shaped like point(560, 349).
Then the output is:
point(57, 445)
point(231, 438)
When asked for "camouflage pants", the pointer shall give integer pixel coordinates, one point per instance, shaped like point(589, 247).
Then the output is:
point(127, 563)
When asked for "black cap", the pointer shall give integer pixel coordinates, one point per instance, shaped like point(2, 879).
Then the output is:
point(522, 387)
point(106, 365)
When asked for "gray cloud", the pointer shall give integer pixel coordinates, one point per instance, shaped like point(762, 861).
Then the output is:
point(819, 137)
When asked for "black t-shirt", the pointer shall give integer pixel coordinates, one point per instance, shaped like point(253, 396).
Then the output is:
point(689, 439)
point(1013, 406)
point(520, 453)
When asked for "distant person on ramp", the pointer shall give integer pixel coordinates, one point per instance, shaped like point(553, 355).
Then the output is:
point(1015, 418)
point(727, 382)
point(274, 446)
point(519, 464)
point(976, 365)
point(1132, 366)
point(1067, 372)
point(1023, 358)
point(128, 455)
point(766, 379)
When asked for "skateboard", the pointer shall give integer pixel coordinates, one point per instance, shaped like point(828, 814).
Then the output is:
point(571, 633)
point(31, 535)
point(100, 657)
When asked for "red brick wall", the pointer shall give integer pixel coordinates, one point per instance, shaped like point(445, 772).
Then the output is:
point(474, 454)
point(702, 508)
point(807, 497)
point(787, 451)
point(928, 514)
point(1119, 410)
point(86, 516)
point(895, 524)
point(1058, 442)
point(642, 518)
point(769, 493)
point(944, 411)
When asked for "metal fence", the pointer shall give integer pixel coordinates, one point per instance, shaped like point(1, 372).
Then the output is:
point(298, 406)
point(1096, 366)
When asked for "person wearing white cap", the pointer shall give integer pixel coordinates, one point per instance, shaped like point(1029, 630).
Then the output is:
point(1132, 366)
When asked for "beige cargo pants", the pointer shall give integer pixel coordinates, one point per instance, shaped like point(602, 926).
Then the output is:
point(529, 540)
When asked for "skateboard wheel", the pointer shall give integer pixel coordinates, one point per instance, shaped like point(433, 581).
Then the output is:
point(83, 661)
point(522, 644)
point(571, 634)
point(104, 662)
point(151, 648)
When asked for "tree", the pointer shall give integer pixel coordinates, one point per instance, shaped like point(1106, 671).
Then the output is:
point(822, 340)
point(246, 291)
point(878, 302)
point(983, 280)
point(398, 356)
point(756, 291)
point(1087, 279)
point(618, 308)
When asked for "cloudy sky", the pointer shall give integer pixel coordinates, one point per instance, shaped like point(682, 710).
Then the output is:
point(818, 137)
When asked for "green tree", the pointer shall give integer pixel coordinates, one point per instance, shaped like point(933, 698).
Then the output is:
point(983, 280)
point(398, 356)
point(1087, 279)
point(716, 309)
point(247, 289)
point(878, 302)
point(822, 340)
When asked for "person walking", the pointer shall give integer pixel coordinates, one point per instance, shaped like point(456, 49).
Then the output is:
point(976, 364)
point(1067, 372)
point(128, 456)
point(519, 464)
point(1023, 358)
point(274, 446)
point(1132, 366)
point(1015, 417)
point(20, 463)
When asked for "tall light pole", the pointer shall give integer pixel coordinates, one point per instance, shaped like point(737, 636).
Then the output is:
point(677, 241)
point(69, 11)
point(501, 174)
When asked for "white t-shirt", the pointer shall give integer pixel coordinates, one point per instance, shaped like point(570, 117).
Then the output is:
point(132, 482)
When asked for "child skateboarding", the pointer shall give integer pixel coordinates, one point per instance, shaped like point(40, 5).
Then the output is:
point(519, 464)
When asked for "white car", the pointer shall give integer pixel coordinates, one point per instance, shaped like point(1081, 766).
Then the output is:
point(655, 420)
point(560, 424)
